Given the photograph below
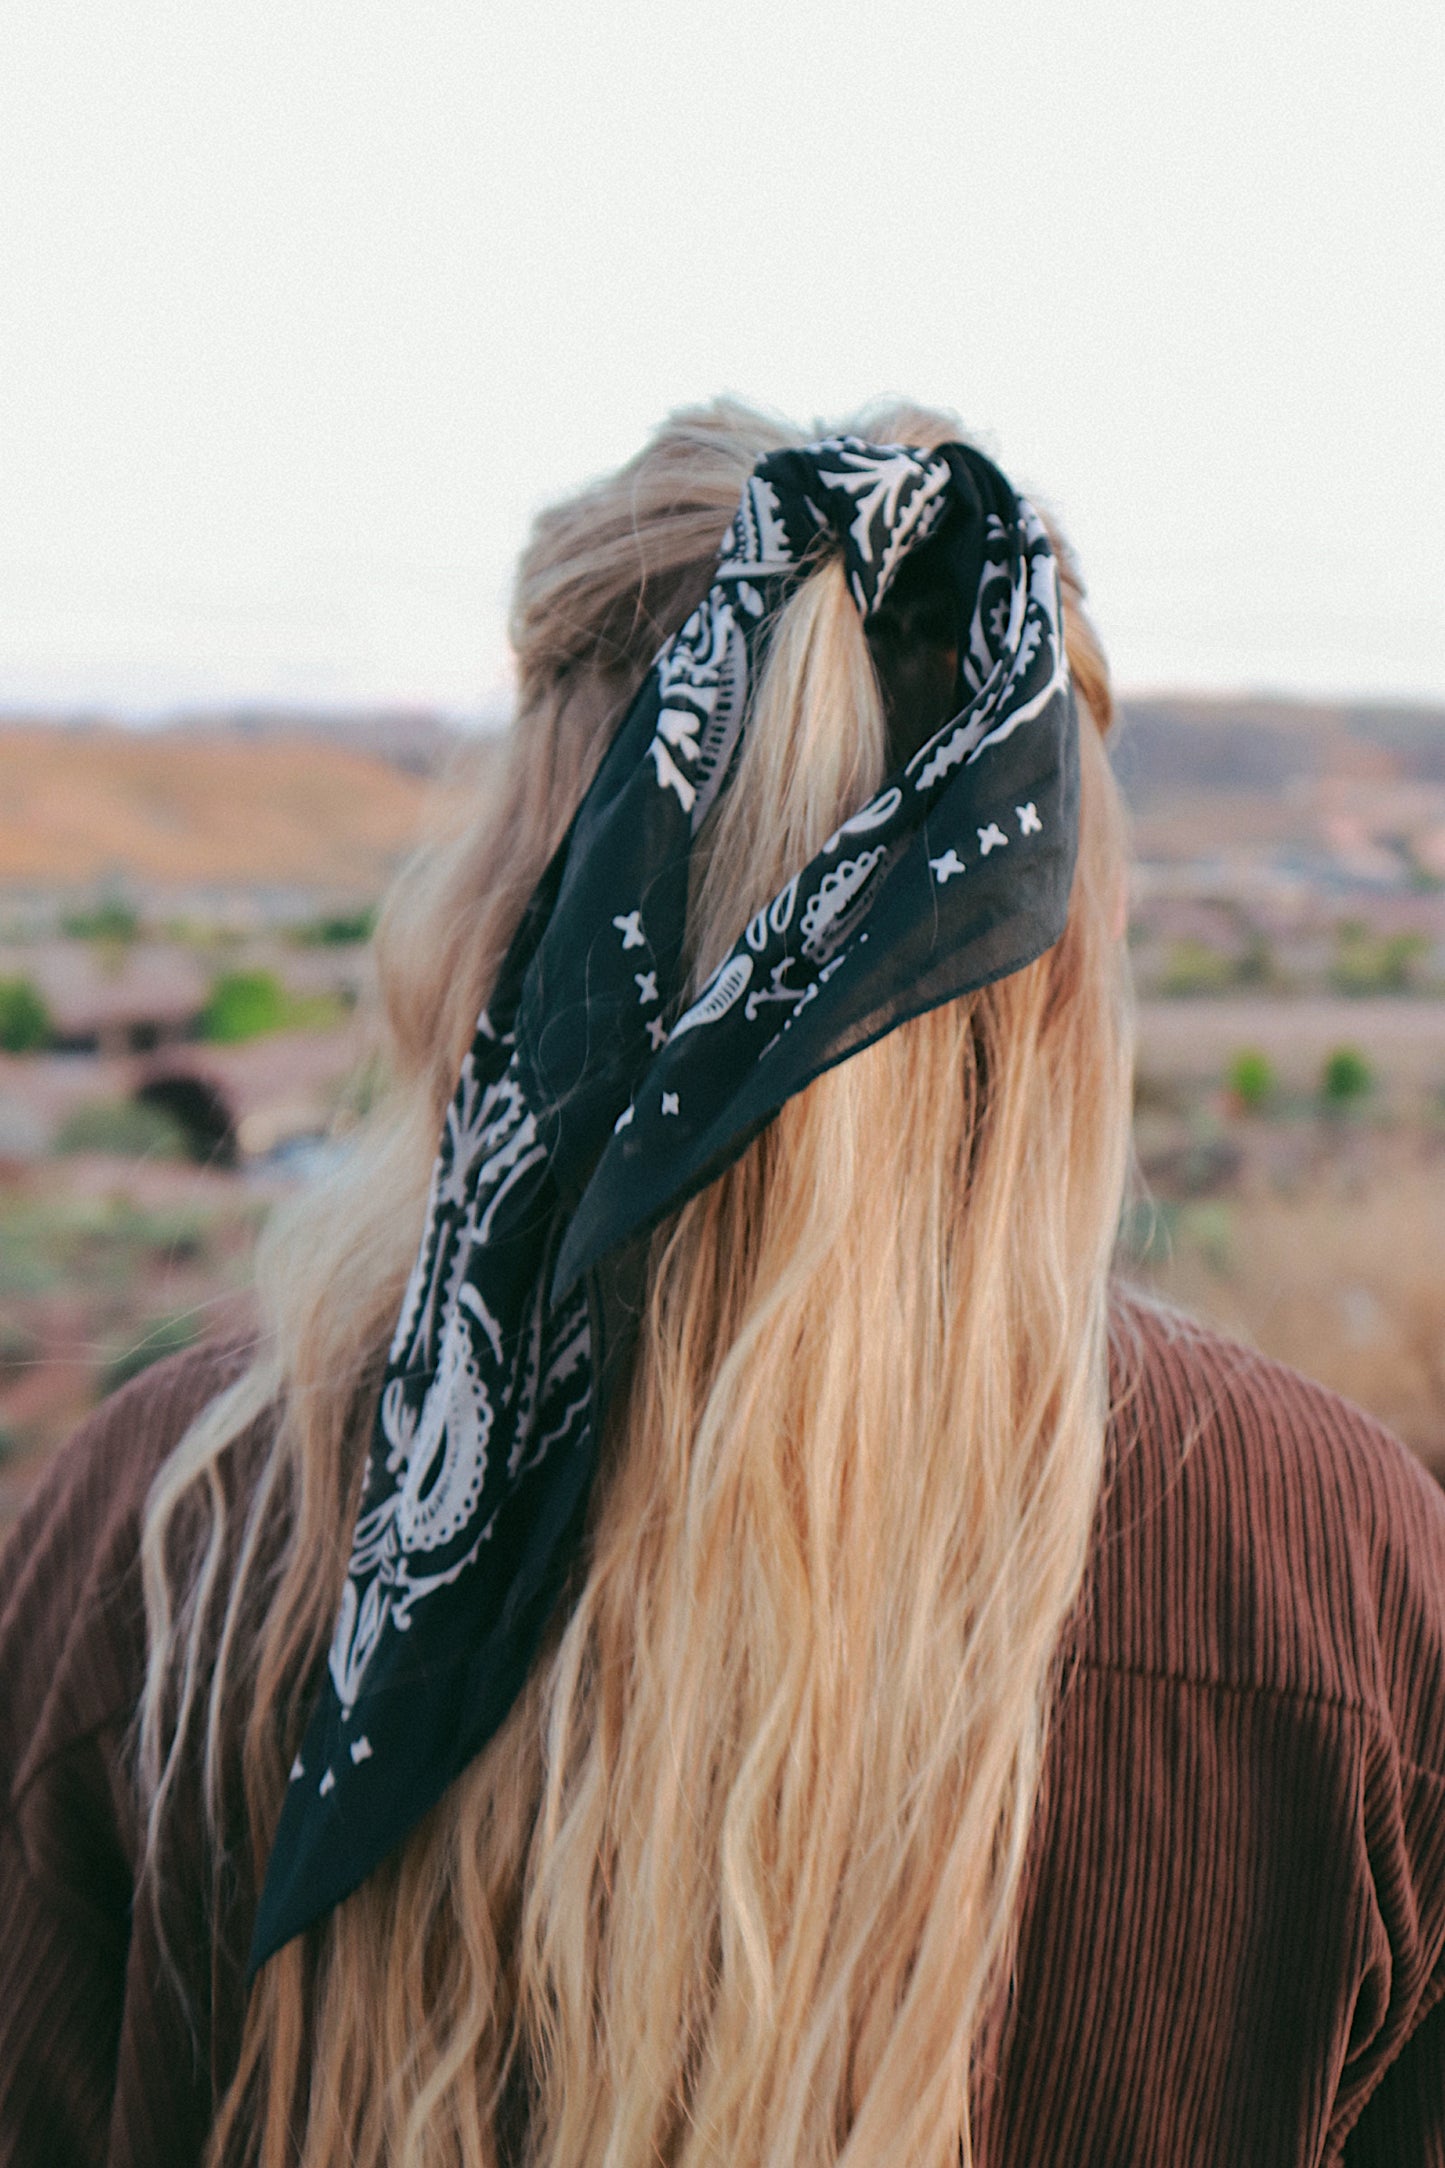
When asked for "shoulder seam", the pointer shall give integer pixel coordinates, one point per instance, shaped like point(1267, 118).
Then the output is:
point(1259, 1689)
point(1262, 1689)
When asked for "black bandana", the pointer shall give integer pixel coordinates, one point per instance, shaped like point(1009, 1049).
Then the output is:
point(592, 1102)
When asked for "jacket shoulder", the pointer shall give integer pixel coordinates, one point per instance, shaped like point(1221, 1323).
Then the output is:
point(72, 1620)
point(1259, 1531)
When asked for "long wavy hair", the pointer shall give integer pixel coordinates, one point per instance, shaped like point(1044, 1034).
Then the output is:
point(736, 1880)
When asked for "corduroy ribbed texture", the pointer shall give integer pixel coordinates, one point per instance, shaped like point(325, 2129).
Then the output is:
point(1232, 1941)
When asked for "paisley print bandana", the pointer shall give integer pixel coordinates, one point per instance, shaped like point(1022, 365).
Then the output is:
point(596, 1098)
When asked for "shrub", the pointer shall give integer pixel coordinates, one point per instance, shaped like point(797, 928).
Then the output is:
point(165, 1336)
point(244, 1005)
point(20, 1349)
point(1209, 1230)
point(319, 1012)
point(24, 1018)
point(126, 1127)
point(1346, 1077)
point(1367, 963)
point(1251, 1078)
point(1255, 964)
point(1192, 967)
point(340, 929)
point(112, 920)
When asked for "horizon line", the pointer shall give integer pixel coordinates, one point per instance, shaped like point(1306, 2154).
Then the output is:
point(494, 713)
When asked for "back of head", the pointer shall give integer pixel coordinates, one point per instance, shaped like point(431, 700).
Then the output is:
point(736, 1879)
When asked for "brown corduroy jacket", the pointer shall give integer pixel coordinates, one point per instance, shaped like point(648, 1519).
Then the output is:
point(1232, 1941)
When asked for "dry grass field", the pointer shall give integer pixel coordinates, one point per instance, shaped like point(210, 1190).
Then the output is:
point(1315, 1234)
point(1337, 1269)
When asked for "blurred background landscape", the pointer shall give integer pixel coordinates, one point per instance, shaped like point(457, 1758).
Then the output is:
point(305, 314)
point(186, 998)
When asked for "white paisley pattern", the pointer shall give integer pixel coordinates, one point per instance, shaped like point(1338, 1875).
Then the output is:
point(436, 1446)
point(828, 904)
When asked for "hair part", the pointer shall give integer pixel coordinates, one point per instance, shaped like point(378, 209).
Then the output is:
point(736, 1879)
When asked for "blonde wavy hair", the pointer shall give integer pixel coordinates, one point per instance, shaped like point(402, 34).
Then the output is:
point(736, 1880)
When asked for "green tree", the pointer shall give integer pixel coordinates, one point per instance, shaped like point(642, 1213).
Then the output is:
point(1346, 1078)
point(341, 930)
point(1251, 1078)
point(24, 1018)
point(244, 1005)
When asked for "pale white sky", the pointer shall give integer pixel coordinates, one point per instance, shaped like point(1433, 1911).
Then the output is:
point(306, 306)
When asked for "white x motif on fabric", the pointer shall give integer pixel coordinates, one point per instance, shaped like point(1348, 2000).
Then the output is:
point(944, 868)
point(1029, 822)
point(990, 838)
point(630, 928)
point(622, 1120)
point(646, 986)
point(669, 1103)
point(656, 1032)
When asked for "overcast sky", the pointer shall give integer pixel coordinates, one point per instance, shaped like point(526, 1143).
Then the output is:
point(307, 305)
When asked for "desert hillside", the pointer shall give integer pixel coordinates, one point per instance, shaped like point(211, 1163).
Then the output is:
point(167, 809)
point(1331, 793)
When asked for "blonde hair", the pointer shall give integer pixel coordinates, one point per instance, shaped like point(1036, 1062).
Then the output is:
point(736, 1880)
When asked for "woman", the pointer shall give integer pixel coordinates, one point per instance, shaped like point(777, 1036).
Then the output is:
point(743, 1647)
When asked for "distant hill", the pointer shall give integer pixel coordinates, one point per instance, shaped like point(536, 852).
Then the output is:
point(179, 810)
point(1170, 745)
point(297, 804)
point(1338, 792)
point(413, 739)
point(1167, 743)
